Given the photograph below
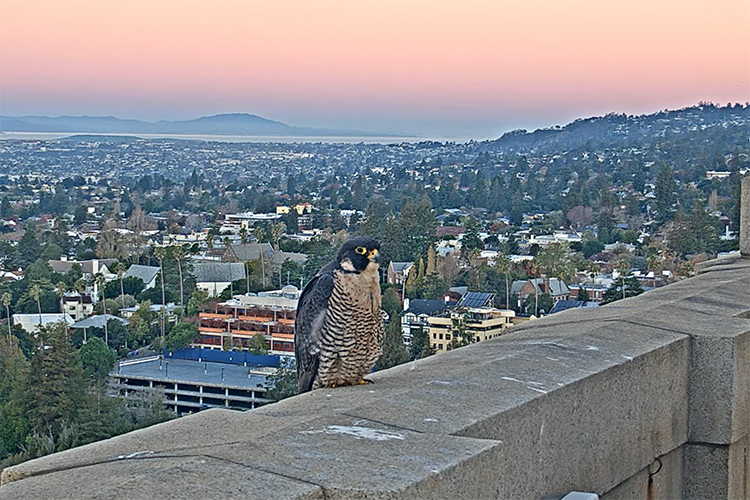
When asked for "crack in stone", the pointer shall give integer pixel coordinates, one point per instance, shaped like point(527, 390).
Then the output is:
point(383, 423)
point(261, 469)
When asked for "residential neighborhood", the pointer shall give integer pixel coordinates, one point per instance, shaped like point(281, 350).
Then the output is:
point(155, 264)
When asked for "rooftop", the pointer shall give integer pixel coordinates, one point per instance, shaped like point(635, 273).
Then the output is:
point(197, 372)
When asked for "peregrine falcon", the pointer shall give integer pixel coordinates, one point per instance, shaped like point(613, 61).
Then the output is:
point(338, 329)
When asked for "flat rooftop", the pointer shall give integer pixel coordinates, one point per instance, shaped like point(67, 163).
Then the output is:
point(194, 372)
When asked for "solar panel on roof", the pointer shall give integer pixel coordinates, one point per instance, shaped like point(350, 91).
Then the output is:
point(475, 299)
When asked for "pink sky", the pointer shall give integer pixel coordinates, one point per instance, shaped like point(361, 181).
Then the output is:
point(464, 67)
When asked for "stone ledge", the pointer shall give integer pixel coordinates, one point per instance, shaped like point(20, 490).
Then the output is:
point(583, 400)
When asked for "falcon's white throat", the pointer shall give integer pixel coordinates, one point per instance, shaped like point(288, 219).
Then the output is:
point(372, 267)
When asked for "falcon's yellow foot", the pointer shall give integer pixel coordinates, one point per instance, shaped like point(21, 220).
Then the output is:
point(364, 381)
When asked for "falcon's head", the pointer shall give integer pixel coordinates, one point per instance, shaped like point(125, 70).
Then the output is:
point(359, 254)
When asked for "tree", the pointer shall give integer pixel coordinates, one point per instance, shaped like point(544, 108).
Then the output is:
point(6, 299)
point(13, 371)
point(97, 360)
point(471, 240)
point(283, 382)
point(99, 278)
point(178, 253)
point(542, 304)
point(505, 265)
point(665, 192)
point(138, 223)
point(35, 292)
point(420, 346)
point(131, 285)
point(580, 217)
point(28, 246)
point(459, 334)
point(626, 285)
point(181, 335)
point(257, 344)
point(555, 261)
point(193, 305)
point(394, 349)
point(110, 244)
point(583, 294)
point(591, 247)
point(160, 253)
point(55, 384)
point(391, 303)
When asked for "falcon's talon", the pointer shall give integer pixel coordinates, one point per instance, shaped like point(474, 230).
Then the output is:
point(365, 381)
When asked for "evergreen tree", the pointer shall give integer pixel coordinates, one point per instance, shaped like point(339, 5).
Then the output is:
point(28, 248)
point(97, 360)
point(420, 346)
point(55, 386)
point(391, 303)
point(394, 349)
point(13, 370)
point(666, 193)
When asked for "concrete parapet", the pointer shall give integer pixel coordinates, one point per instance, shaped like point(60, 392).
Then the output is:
point(745, 217)
point(587, 400)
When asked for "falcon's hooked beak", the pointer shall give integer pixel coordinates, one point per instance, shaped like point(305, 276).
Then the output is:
point(373, 255)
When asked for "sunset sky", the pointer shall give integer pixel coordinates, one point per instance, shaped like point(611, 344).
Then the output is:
point(463, 68)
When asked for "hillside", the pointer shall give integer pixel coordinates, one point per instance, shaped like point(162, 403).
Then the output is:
point(620, 130)
point(223, 124)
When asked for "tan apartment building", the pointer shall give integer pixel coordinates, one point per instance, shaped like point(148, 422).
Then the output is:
point(480, 323)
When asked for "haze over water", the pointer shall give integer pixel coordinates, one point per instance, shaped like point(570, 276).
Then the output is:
point(53, 136)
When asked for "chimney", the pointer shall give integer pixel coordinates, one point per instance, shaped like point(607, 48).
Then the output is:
point(745, 218)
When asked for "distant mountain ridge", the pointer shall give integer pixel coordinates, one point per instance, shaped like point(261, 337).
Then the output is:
point(621, 130)
point(222, 124)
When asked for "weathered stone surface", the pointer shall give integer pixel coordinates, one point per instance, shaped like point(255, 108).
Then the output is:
point(208, 427)
point(717, 471)
point(661, 480)
point(357, 458)
point(745, 218)
point(161, 476)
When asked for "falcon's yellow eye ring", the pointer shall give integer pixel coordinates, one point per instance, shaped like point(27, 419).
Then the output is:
point(361, 250)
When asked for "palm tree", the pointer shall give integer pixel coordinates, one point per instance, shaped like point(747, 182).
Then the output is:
point(60, 289)
point(276, 231)
point(532, 268)
point(653, 262)
point(504, 265)
point(160, 253)
point(179, 253)
point(35, 293)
